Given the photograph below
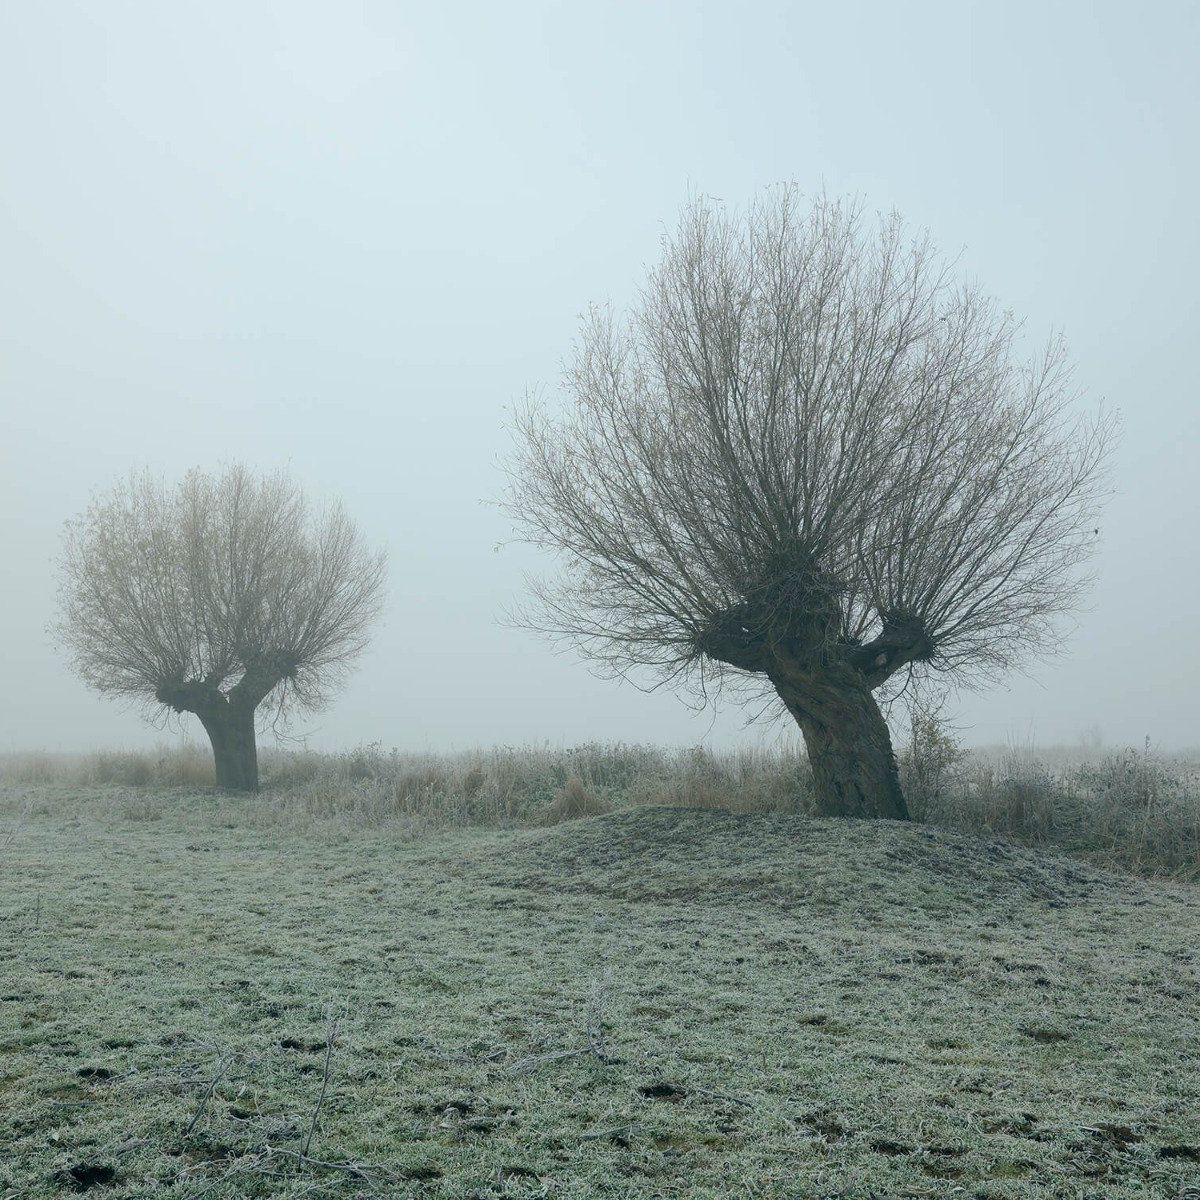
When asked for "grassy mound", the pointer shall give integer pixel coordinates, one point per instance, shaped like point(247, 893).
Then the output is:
point(656, 1002)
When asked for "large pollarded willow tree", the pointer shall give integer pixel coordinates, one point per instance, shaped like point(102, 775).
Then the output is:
point(811, 456)
point(226, 596)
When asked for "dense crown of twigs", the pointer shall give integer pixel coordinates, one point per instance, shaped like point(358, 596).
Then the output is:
point(224, 582)
point(808, 439)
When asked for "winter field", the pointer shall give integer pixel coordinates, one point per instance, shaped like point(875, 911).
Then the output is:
point(292, 995)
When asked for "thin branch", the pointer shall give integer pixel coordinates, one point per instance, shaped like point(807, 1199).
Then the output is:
point(808, 449)
point(330, 1041)
point(222, 1067)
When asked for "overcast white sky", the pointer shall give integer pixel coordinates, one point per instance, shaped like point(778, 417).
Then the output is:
point(345, 236)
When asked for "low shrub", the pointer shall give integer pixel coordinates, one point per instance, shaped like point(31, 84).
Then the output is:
point(932, 764)
point(573, 801)
point(1133, 808)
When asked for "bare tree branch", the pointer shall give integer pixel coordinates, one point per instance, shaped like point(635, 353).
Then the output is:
point(225, 596)
point(809, 454)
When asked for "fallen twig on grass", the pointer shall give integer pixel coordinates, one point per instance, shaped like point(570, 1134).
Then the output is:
point(330, 1040)
point(224, 1066)
point(367, 1172)
point(490, 1056)
point(596, 1043)
point(523, 1066)
point(724, 1096)
point(604, 1135)
point(597, 1002)
point(274, 1162)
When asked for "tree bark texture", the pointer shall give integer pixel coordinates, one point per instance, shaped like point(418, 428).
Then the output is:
point(849, 748)
point(230, 728)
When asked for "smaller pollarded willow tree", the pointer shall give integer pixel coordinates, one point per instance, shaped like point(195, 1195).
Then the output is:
point(811, 457)
point(225, 596)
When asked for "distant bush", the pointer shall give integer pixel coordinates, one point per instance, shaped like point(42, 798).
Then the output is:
point(1133, 808)
point(932, 763)
point(1148, 809)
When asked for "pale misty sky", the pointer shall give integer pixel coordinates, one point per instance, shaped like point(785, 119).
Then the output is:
point(345, 237)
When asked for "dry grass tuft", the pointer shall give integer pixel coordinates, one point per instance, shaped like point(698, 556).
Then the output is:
point(188, 765)
point(1135, 808)
point(573, 801)
point(743, 781)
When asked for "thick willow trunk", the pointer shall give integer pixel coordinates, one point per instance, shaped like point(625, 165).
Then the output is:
point(230, 728)
point(849, 748)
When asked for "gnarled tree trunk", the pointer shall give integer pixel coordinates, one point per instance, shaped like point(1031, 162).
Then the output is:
point(849, 748)
point(230, 728)
point(228, 719)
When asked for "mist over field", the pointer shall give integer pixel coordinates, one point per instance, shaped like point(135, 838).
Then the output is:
point(348, 242)
point(599, 601)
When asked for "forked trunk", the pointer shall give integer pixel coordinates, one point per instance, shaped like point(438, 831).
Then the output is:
point(849, 749)
point(235, 753)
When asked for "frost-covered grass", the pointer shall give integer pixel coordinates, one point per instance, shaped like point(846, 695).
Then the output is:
point(656, 1002)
